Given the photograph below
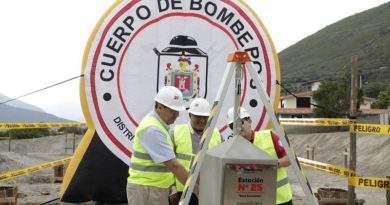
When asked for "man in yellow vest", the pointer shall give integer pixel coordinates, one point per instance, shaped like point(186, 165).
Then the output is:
point(154, 166)
point(269, 142)
point(186, 138)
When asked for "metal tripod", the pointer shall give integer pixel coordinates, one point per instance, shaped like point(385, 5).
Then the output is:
point(236, 61)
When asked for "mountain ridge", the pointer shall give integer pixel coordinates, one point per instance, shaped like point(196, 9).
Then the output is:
point(10, 114)
point(19, 111)
point(19, 104)
point(327, 53)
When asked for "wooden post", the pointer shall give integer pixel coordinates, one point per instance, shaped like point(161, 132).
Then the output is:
point(312, 153)
point(346, 157)
point(66, 140)
point(352, 136)
point(9, 140)
point(307, 152)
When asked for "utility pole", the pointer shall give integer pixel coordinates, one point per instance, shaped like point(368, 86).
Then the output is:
point(9, 140)
point(352, 117)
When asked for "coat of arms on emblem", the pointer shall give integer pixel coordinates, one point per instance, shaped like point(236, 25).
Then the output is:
point(184, 66)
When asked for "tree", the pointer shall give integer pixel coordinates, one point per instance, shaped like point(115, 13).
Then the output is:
point(333, 99)
point(77, 130)
point(29, 133)
point(373, 89)
point(383, 99)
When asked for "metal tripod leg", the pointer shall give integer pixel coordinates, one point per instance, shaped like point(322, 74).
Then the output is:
point(276, 126)
point(204, 141)
point(195, 169)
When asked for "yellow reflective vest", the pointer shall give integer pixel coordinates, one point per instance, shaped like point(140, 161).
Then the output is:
point(143, 170)
point(183, 147)
point(263, 140)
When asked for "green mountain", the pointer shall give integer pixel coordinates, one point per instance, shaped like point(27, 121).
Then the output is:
point(327, 53)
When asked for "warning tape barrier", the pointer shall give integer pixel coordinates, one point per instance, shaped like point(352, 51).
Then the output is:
point(332, 169)
point(364, 182)
point(28, 170)
point(315, 121)
point(353, 126)
point(40, 125)
point(370, 182)
point(370, 129)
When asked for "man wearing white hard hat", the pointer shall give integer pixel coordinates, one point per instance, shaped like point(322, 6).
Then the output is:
point(186, 138)
point(154, 166)
point(269, 142)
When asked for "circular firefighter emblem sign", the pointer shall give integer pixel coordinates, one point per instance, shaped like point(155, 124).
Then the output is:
point(141, 45)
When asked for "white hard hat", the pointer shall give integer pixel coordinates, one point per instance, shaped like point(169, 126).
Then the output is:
point(230, 115)
point(200, 107)
point(171, 97)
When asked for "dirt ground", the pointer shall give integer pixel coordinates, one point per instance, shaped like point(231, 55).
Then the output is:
point(373, 159)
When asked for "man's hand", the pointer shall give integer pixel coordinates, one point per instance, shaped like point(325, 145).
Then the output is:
point(284, 161)
point(180, 173)
point(177, 169)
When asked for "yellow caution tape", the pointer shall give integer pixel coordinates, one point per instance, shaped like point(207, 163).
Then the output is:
point(332, 169)
point(365, 182)
point(315, 121)
point(370, 129)
point(13, 174)
point(353, 127)
point(370, 182)
point(40, 125)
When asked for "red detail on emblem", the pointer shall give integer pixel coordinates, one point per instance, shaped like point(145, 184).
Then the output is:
point(182, 82)
point(196, 67)
point(175, 97)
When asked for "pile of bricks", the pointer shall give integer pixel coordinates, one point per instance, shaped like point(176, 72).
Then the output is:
point(335, 196)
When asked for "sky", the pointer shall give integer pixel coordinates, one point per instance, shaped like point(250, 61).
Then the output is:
point(42, 41)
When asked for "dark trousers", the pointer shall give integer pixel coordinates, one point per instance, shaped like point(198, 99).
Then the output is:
point(287, 203)
point(175, 198)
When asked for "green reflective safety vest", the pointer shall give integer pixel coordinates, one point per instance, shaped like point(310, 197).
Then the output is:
point(183, 147)
point(263, 140)
point(143, 170)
